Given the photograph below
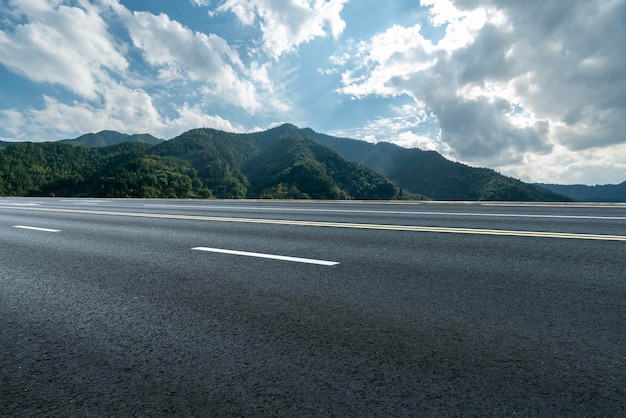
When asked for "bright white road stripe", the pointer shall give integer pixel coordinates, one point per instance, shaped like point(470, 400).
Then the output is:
point(37, 229)
point(270, 256)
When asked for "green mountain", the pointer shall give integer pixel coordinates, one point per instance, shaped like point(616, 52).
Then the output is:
point(273, 164)
point(295, 167)
point(102, 139)
point(106, 138)
point(201, 163)
point(283, 162)
point(583, 193)
point(430, 174)
point(58, 169)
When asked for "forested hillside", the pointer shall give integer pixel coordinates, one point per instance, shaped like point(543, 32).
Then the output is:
point(202, 163)
point(102, 139)
point(123, 170)
point(430, 174)
point(597, 193)
point(284, 162)
point(106, 138)
point(302, 168)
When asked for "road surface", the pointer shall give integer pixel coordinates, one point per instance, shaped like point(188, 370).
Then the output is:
point(260, 308)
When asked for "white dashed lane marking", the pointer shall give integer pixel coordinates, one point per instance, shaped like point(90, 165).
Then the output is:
point(269, 256)
point(34, 228)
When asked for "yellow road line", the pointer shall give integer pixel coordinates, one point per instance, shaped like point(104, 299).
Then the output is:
point(408, 228)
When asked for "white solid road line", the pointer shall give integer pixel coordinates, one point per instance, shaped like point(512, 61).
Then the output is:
point(34, 228)
point(270, 256)
point(386, 212)
point(408, 228)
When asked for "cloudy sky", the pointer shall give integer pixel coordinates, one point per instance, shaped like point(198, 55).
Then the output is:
point(535, 89)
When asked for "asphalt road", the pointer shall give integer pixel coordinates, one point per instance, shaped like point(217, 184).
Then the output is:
point(189, 308)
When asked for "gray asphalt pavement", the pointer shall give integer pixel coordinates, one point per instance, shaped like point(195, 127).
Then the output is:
point(109, 308)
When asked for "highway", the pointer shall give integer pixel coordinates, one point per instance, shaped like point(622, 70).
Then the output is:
point(275, 308)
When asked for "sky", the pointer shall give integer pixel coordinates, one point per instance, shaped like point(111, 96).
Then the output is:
point(534, 89)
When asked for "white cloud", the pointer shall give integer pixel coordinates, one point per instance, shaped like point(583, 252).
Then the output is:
point(285, 24)
point(397, 52)
point(124, 110)
point(193, 117)
point(61, 44)
point(73, 46)
point(200, 3)
point(410, 128)
point(205, 60)
point(510, 82)
point(564, 166)
point(245, 10)
point(12, 121)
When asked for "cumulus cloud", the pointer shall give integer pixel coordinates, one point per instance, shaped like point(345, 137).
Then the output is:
point(287, 24)
point(61, 44)
point(122, 109)
point(71, 44)
point(508, 79)
point(183, 54)
point(408, 129)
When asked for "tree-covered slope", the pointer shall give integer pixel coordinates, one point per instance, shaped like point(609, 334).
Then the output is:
point(26, 168)
point(217, 157)
point(597, 193)
point(200, 163)
point(123, 170)
point(283, 162)
point(299, 167)
point(107, 138)
point(429, 173)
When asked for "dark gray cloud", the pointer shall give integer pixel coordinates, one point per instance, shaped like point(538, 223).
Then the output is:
point(515, 81)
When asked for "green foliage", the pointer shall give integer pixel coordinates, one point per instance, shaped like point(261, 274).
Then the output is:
point(107, 138)
point(124, 170)
point(428, 173)
point(282, 191)
point(26, 168)
point(584, 193)
point(281, 163)
point(309, 170)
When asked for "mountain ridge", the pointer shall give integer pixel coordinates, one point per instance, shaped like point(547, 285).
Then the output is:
point(282, 162)
point(107, 137)
point(103, 138)
point(584, 193)
point(430, 174)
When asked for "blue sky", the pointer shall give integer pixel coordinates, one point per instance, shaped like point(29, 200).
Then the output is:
point(533, 89)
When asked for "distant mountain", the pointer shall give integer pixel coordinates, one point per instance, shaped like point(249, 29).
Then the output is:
point(274, 164)
point(429, 173)
point(101, 139)
point(106, 138)
point(201, 163)
point(283, 162)
point(583, 193)
point(300, 167)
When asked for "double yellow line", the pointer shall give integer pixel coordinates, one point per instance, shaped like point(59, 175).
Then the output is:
point(407, 228)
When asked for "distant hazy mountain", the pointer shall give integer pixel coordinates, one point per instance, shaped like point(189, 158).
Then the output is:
point(106, 138)
point(101, 139)
point(583, 193)
point(284, 162)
